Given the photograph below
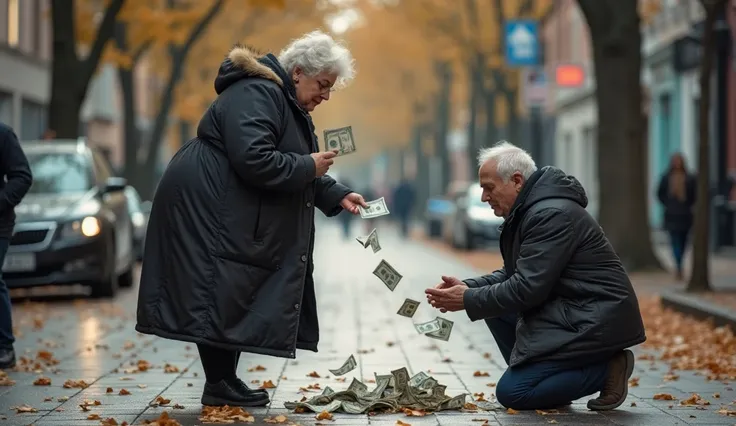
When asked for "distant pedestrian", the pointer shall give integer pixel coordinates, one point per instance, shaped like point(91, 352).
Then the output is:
point(228, 259)
point(562, 308)
point(402, 201)
point(15, 181)
point(676, 192)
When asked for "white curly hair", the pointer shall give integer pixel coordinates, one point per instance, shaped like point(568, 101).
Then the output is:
point(316, 52)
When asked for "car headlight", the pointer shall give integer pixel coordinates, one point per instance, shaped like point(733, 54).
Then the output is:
point(87, 227)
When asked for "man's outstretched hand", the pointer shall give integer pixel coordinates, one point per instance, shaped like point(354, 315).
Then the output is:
point(447, 296)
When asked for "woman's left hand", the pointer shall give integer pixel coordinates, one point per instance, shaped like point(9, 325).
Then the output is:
point(352, 201)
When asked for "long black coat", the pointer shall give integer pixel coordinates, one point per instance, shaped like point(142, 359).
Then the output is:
point(228, 258)
point(561, 276)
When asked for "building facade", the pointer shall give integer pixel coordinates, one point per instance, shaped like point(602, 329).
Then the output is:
point(567, 42)
point(25, 55)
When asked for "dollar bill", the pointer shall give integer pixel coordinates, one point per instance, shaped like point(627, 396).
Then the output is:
point(387, 274)
point(347, 366)
point(370, 240)
point(373, 241)
point(341, 140)
point(428, 327)
point(408, 308)
point(375, 208)
point(444, 331)
point(418, 378)
point(358, 387)
point(392, 393)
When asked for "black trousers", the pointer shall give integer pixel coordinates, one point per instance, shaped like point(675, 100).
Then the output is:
point(219, 364)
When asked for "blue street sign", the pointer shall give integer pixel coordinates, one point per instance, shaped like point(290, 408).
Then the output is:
point(522, 43)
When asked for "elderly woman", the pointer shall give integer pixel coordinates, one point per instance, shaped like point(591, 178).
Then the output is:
point(228, 259)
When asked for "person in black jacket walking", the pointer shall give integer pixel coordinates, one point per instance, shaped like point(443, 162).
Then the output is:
point(562, 309)
point(228, 259)
point(15, 180)
point(676, 192)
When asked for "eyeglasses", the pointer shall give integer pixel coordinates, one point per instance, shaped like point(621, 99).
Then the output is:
point(325, 87)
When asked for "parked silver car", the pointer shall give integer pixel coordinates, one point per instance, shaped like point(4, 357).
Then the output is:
point(472, 222)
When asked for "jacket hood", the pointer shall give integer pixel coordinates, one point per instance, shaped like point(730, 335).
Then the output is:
point(551, 182)
point(247, 62)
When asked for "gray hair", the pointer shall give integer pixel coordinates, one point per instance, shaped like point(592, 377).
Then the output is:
point(316, 52)
point(509, 160)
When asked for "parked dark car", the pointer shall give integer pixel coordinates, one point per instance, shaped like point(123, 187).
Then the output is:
point(73, 226)
point(139, 214)
point(472, 222)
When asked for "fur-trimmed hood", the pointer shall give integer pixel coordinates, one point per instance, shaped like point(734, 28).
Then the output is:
point(247, 62)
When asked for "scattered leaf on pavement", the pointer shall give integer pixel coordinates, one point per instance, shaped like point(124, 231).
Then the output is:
point(324, 415)
point(414, 413)
point(664, 397)
point(267, 384)
point(25, 408)
point(257, 368)
point(80, 384)
point(511, 411)
point(278, 419)
point(162, 420)
point(42, 381)
point(480, 374)
point(314, 374)
point(225, 414)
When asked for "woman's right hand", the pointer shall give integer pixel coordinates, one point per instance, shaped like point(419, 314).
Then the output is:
point(323, 161)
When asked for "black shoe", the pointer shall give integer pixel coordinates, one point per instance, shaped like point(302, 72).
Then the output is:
point(223, 393)
point(7, 358)
point(242, 387)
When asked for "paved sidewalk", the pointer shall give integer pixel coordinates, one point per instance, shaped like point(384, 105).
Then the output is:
point(91, 340)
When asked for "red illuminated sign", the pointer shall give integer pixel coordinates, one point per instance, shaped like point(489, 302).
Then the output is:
point(569, 76)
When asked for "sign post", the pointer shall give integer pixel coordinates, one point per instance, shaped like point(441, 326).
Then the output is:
point(522, 43)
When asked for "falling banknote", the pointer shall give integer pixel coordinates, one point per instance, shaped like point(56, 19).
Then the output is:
point(387, 274)
point(370, 240)
point(428, 327)
point(348, 366)
point(444, 331)
point(340, 140)
point(408, 308)
point(375, 208)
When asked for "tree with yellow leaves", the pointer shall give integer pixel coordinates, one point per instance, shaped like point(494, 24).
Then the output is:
point(475, 30)
point(171, 33)
point(72, 23)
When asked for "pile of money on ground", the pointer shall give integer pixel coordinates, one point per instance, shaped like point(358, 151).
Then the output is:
point(392, 393)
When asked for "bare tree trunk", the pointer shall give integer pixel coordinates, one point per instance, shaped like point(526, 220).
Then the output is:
point(622, 155)
point(444, 72)
point(700, 277)
point(70, 75)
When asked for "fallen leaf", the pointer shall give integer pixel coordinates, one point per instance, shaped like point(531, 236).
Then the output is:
point(159, 401)
point(162, 420)
point(480, 374)
point(25, 408)
point(694, 399)
point(400, 423)
point(71, 384)
point(257, 368)
point(324, 415)
point(671, 377)
point(142, 386)
point(94, 417)
point(168, 368)
point(414, 413)
point(470, 406)
point(109, 390)
point(42, 381)
point(726, 412)
point(487, 355)
point(124, 392)
point(314, 374)
point(664, 397)
point(340, 379)
point(633, 404)
point(278, 419)
point(447, 359)
point(511, 411)
point(633, 382)
point(267, 384)
point(225, 414)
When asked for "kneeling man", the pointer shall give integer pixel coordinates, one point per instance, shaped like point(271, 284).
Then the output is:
point(562, 309)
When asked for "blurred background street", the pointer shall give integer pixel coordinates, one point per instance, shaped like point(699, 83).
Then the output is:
point(102, 93)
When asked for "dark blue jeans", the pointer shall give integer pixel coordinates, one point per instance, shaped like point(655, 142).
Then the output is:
point(545, 384)
point(6, 320)
point(678, 241)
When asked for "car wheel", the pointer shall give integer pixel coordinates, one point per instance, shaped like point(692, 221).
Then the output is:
point(107, 287)
point(125, 280)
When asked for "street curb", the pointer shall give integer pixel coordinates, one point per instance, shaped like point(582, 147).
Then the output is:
point(693, 306)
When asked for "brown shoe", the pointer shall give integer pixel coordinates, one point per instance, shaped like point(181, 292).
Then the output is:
point(616, 387)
